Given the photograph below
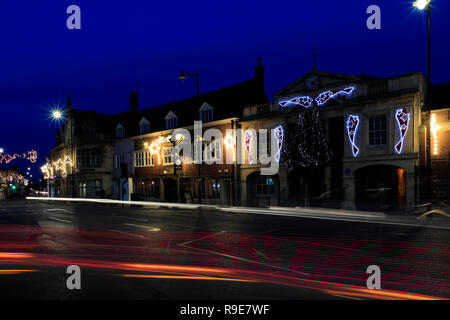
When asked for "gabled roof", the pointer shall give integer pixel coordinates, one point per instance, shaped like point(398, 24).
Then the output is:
point(227, 102)
point(328, 80)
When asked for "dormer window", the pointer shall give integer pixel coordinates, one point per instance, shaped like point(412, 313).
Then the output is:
point(144, 126)
point(120, 131)
point(171, 120)
point(206, 112)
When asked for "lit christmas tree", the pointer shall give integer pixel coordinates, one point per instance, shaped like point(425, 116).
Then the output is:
point(307, 146)
point(306, 150)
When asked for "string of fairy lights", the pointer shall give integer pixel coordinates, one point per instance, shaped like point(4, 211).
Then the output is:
point(7, 158)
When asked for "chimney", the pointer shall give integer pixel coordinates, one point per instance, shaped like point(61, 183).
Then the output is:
point(134, 102)
point(259, 74)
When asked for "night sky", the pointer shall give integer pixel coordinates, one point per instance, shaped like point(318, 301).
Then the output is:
point(41, 60)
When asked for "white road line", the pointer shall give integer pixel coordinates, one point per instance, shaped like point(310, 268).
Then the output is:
point(130, 234)
point(47, 210)
point(60, 220)
point(149, 228)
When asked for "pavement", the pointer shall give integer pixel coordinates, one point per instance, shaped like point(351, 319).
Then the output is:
point(160, 252)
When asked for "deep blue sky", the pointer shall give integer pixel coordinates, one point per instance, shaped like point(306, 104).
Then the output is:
point(41, 60)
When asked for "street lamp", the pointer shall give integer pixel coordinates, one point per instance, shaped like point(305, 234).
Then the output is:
point(56, 114)
point(194, 76)
point(422, 5)
point(2, 150)
point(183, 76)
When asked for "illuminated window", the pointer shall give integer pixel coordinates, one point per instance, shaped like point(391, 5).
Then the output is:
point(212, 151)
point(143, 158)
point(377, 130)
point(167, 155)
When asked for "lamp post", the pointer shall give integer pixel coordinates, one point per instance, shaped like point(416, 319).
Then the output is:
point(193, 75)
point(422, 5)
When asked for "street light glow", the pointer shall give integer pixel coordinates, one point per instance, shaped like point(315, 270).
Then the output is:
point(421, 4)
point(56, 114)
point(2, 150)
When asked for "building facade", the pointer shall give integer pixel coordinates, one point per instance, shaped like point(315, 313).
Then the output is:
point(375, 130)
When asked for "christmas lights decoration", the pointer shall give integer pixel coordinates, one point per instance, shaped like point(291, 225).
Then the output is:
point(30, 156)
point(402, 116)
point(434, 128)
point(321, 99)
point(155, 145)
point(279, 135)
point(50, 167)
point(352, 129)
point(248, 140)
point(229, 143)
point(303, 101)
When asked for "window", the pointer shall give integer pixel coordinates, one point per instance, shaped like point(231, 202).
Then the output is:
point(377, 130)
point(206, 112)
point(167, 155)
point(144, 126)
point(265, 186)
point(143, 158)
point(212, 151)
point(120, 131)
point(89, 157)
point(171, 120)
point(119, 159)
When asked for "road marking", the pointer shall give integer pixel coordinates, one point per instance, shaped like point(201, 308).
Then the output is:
point(60, 220)
point(235, 257)
point(149, 228)
point(47, 210)
point(130, 234)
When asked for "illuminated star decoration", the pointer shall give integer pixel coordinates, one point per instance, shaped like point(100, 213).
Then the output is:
point(304, 101)
point(30, 156)
point(352, 128)
point(248, 145)
point(321, 99)
point(402, 117)
point(279, 135)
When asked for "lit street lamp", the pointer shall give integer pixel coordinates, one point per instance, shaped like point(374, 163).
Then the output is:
point(2, 150)
point(421, 5)
point(56, 114)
